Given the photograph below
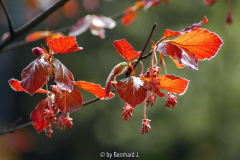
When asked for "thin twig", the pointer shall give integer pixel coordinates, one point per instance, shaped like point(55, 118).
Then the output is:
point(11, 30)
point(33, 23)
point(12, 129)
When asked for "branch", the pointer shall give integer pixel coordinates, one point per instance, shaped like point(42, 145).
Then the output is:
point(11, 30)
point(12, 129)
point(33, 23)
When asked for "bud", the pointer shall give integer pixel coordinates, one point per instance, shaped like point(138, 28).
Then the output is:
point(229, 18)
point(38, 51)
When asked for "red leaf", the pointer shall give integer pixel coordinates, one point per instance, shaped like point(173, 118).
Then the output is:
point(15, 84)
point(63, 77)
point(129, 16)
point(173, 84)
point(64, 45)
point(210, 2)
point(131, 90)
point(36, 116)
point(180, 56)
point(53, 36)
point(81, 26)
point(95, 89)
point(200, 42)
point(168, 33)
point(35, 75)
point(37, 35)
point(117, 70)
point(126, 50)
point(68, 102)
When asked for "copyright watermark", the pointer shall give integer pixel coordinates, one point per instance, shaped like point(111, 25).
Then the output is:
point(119, 155)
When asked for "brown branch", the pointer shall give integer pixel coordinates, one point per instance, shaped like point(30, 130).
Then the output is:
point(33, 23)
point(11, 30)
point(12, 129)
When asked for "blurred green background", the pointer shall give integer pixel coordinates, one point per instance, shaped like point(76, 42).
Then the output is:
point(204, 125)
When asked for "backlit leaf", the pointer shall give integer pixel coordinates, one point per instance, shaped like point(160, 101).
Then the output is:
point(36, 116)
point(95, 89)
point(117, 70)
point(126, 50)
point(129, 16)
point(63, 77)
point(64, 45)
point(53, 36)
point(35, 75)
point(68, 102)
point(200, 42)
point(168, 33)
point(173, 84)
point(131, 90)
point(15, 84)
point(37, 35)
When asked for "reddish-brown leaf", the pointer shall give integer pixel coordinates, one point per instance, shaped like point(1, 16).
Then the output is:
point(168, 33)
point(15, 84)
point(95, 89)
point(37, 35)
point(63, 77)
point(64, 45)
point(129, 16)
point(35, 75)
point(131, 90)
point(36, 116)
point(126, 50)
point(53, 36)
point(117, 70)
point(68, 102)
point(200, 42)
point(173, 84)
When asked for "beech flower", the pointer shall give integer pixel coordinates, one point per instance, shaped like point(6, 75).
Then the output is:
point(96, 24)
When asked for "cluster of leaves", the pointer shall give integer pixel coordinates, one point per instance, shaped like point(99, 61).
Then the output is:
point(192, 44)
point(62, 97)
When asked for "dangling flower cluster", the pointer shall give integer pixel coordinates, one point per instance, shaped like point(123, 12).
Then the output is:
point(185, 50)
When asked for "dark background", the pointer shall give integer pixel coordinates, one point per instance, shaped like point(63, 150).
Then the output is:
point(204, 124)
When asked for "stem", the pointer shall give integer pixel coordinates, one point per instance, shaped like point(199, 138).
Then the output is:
point(11, 30)
point(33, 23)
point(230, 5)
point(12, 129)
point(141, 56)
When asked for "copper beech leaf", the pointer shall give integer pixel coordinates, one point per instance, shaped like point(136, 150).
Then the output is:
point(15, 84)
point(173, 84)
point(64, 45)
point(126, 50)
point(37, 35)
point(95, 89)
point(129, 16)
point(131, 90)
point(68, 102)
point(63, 77)
point(117, 70)
point(190, 47)
point(36, 116)
point(168, 33)
point(35, 75)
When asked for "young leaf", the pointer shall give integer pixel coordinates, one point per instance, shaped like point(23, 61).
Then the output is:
point(129, 16)
point(95, 89)
point(64, 45)
point(63, 77)
point(53, 36)
point(173, 84)
point(81, 26)
point(35, 75)
point(126, 50)
point(168, 33)
point(201, 42)
point(117, 70)
point(131, 90)
point(15, 84)
point(36, 116)
point(68, 102)
point(37, 35)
